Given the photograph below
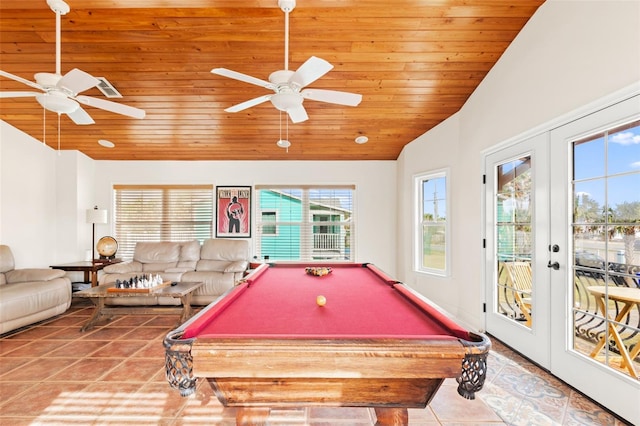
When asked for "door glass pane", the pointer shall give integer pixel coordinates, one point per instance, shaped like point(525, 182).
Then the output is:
point(606, 243)
point(513, 207)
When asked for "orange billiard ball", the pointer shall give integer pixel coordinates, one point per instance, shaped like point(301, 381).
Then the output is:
point(321, 300)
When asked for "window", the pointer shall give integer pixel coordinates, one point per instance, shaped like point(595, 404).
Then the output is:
point(432, 251)
point(305, 223)
point(161, 213)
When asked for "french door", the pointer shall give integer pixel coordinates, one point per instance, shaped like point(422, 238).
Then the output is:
point(595, 176)
point(563, 252)
point(517, 230)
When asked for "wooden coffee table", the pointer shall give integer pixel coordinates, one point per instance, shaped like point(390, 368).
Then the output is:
point(99, 295)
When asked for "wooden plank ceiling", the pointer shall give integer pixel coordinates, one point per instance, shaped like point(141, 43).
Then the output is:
point(415, 62)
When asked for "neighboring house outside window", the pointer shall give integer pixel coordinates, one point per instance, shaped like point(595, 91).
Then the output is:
point(305, 223)
point(432, 233)
point(161, 213)
point(269, 219)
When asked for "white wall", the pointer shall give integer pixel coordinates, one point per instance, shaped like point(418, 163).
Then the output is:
point(75, 194)
point(45, 195)
point(28, 202)
point(569, 54)
point(374, 203)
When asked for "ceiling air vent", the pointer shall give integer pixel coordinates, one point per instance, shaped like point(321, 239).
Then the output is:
point(107, 88)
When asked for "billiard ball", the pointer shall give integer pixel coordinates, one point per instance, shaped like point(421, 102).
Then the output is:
point(321, 300)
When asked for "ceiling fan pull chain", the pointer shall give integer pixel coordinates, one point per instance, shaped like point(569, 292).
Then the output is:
point(59, 133)
point(44, 126)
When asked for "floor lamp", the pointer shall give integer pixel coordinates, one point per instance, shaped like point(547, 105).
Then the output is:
point(94, 216)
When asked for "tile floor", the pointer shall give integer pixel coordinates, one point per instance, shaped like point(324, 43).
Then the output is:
point(52, 374)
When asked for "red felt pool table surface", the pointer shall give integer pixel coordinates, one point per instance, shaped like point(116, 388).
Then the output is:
point(375, 343)
point(362, 302)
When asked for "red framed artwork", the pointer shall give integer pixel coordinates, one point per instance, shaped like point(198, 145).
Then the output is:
point(233, 211)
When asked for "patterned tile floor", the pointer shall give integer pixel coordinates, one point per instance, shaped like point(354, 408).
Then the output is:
point(52, 374)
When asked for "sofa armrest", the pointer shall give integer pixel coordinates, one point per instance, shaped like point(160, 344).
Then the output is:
point(237, 266)
point(123, 267)
point(26, 275)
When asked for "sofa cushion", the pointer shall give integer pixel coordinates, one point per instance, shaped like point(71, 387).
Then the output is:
point(24, 303)
point(157, 252)
point(123, 268)
point(225, 249)
point(158, 266)
point(26, 275)
point(189, 254)
point(214, 284)
point(237, 266)
point(212, 265)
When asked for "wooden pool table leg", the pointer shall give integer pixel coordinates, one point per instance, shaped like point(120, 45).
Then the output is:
point(252, 416)
point(392, 416)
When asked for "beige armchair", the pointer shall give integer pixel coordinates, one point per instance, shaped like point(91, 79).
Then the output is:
point(30, 295)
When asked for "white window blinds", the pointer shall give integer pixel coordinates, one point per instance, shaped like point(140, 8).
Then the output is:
point(305, 223)
point(161, 213)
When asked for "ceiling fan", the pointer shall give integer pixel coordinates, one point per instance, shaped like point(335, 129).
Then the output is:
point(60, 93)
point(288, 85)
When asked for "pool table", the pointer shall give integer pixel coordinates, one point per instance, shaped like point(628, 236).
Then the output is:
point(375, 343)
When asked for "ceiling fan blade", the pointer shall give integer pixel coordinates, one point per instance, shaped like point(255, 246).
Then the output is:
point(18, 94)
point(111, 106)
point(76, 81)
point(248, 104)
point(332, 96)
point(242, 77)
point(298, 114)
point(80, 116)
point(20, 80)
point(310, 71)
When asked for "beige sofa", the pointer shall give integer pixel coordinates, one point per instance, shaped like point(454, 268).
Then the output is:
point(30, 295)
point(219, 263)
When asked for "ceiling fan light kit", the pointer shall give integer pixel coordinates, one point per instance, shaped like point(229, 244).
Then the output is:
point(286, 101)
point(57, 102)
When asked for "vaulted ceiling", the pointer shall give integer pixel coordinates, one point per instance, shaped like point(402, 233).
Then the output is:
point(415, 63)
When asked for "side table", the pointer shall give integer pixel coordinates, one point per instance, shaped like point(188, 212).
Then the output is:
point(88, 267)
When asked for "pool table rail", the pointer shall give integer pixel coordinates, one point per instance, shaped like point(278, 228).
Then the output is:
point(317, 359)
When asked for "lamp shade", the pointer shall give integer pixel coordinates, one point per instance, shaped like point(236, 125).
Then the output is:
point(96, 215)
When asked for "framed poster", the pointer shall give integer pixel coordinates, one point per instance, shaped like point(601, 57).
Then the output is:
point(233, 211)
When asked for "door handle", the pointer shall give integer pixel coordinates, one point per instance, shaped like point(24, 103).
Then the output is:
point(555, 265)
